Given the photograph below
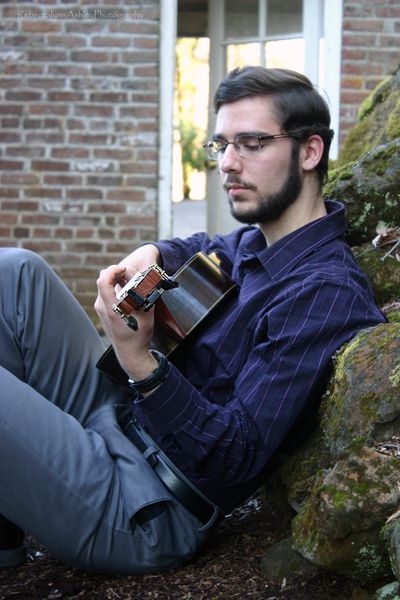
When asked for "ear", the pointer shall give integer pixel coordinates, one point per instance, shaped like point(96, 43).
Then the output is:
point(311, 152)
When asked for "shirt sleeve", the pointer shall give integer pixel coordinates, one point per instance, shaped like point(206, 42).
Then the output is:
point(292, 346)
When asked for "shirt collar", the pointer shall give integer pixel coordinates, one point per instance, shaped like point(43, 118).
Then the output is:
point(284, 254)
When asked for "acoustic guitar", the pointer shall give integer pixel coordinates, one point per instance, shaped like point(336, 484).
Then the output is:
point(181, 303)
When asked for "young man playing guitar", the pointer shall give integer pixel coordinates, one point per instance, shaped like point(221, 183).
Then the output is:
point(129, 476)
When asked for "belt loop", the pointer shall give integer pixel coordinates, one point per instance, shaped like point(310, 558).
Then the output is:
point(151, 455)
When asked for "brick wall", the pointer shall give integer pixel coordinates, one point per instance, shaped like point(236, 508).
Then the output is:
point(79, 132)
point(370, 51)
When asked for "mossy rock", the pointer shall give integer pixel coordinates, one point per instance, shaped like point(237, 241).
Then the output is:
point(362, 401)
point(378, 121)
point(369, 188)
point(339, 527)
point(384, 275)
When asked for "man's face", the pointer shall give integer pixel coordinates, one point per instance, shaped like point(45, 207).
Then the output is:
point(262, 186)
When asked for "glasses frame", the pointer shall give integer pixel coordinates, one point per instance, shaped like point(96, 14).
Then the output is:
point(224, 144)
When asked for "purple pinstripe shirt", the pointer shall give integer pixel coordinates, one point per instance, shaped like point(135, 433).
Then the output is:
point(228, 404)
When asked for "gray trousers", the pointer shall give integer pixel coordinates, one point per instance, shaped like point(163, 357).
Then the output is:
point(68, 475)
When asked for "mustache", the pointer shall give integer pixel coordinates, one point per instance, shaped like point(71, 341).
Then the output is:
point(236, 180)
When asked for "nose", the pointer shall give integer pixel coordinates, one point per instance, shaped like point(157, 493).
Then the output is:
point(230, 160)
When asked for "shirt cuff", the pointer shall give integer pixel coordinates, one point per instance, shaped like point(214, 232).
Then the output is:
point(169, 406)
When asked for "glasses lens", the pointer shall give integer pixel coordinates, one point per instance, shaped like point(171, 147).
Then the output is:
point(213, 148)
point(246, 145)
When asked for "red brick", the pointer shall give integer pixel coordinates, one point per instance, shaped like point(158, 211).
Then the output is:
point(41, 137)
point(65, 96)
point(9, 82)
point(11, 122)
point(49, 165)
point(11, 109)
point(104, 180)
point(84, 246)
point(85, 193)
point(48, 109)
point(362, 39)
point(91, 56)
point(21, 232)
point(132, 195)
point(42, 192)
point(41, 232)
point(110, 70)
point(19, 179)
point(69, 152)
point(61, 180)
point(25, 151)
point(112, 41)
point(11, 165)
point(78, 70)
point(9, 137)
point(78, 138)
point(66, 41)
point(63, 232)
point(146, 42)
point(389, 41)
point(11, 68)
point(113, 153)
point(110, 97)
point(21, 206)
point(7, 218)
point(104, 207)
point(364, 25)
point(89, 110)
point(40, 26)
point(355, 83)
point(41, 246)
point(41, 219)
point(23, 96)
point(48, 56)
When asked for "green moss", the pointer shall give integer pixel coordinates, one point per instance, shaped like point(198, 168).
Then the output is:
point(377, 95)
point(394, 376)
point(393, 125)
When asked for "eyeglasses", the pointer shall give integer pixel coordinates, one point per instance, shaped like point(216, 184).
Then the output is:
point(245, 145)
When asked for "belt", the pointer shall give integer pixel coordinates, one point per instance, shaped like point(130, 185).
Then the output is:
point(175, 481)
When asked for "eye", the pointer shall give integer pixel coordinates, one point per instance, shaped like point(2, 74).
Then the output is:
point(248, 142)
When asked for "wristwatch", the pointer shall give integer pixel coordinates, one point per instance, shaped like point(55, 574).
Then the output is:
point(156, 377)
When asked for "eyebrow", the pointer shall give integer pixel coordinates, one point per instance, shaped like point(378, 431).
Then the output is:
point(218, 136)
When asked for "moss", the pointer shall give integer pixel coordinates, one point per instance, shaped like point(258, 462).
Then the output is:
point(377, 95)
point(394, 376)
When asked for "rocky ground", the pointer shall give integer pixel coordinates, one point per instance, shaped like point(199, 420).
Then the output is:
point(229, 568)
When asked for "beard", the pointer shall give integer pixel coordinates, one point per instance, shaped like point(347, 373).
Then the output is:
point(272, 206)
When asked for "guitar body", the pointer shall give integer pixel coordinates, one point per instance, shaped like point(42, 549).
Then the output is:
point(202, 285)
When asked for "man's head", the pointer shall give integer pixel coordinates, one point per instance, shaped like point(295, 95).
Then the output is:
point(272, 140)
point(299, 108)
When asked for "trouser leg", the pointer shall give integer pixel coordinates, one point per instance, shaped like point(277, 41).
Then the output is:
point(67, 473)
point(46, 339)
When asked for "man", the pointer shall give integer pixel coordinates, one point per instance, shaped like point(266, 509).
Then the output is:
point(110, 499)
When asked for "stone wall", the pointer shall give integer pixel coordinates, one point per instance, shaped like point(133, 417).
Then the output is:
point(370, 52)
point(79, 132)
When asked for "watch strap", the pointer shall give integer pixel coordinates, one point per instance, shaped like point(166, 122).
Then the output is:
point(155, 378)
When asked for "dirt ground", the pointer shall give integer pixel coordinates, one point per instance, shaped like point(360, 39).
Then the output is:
point(228, 569)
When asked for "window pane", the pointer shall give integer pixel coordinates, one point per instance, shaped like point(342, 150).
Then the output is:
point(285, 54)
point(241, 18)
point(284, 17)
point(239, 55)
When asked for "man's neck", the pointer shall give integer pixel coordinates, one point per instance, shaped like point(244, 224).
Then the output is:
point(308, 207)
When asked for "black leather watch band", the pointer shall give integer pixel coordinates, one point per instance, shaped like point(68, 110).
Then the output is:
point(153, 380)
